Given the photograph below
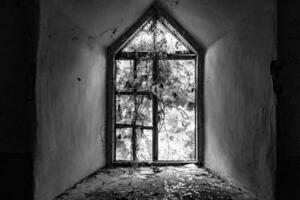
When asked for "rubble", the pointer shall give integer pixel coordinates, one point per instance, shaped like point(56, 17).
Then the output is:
point(163, 183)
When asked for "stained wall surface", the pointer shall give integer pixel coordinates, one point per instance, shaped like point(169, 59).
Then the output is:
point(74, 35)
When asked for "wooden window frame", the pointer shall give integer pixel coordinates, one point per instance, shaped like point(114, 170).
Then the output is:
point(113, 53)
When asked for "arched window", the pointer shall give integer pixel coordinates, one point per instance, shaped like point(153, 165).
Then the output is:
point(155, 94)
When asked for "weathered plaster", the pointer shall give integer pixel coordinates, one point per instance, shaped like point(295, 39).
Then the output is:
point(240, 105)
point(70, 104)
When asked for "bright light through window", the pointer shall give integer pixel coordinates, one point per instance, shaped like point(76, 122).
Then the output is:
point(155, 106)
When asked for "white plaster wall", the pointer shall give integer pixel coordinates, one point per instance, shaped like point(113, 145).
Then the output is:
point(71, 90)
point(239, 104)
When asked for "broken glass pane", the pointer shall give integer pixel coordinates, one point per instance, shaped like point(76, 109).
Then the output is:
point(124, 109)
point(124, 75)
point(144, 144)
point(123, 144)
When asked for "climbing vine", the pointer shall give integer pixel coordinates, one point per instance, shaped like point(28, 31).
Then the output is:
point(174, 88)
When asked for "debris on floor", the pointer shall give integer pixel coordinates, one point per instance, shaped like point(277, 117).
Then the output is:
point(156, 183)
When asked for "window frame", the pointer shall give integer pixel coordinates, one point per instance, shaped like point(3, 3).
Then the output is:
point(113, 54)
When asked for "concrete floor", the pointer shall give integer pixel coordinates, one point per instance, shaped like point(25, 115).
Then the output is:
point(185, 182)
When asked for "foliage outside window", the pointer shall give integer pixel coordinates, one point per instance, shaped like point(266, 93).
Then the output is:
point(154, 86)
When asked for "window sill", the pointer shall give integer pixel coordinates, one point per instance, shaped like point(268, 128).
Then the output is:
point(157, 163)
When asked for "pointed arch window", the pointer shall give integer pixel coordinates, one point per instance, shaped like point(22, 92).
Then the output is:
point(154, 105)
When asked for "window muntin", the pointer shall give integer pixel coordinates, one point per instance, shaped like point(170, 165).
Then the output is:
point(155, 107)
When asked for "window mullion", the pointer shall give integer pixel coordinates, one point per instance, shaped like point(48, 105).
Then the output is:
point(155, 111)
point(134, 137)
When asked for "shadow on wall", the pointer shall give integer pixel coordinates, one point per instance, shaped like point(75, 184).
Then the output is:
point(240, 104)
point(19, 37)
point(288, 113)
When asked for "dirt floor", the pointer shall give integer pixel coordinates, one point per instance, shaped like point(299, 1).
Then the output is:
point(185, 182)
